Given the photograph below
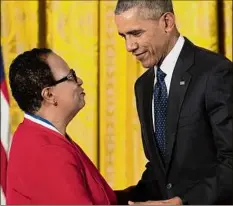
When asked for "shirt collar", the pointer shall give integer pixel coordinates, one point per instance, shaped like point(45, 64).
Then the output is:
point(41, 121)
point(169, 61)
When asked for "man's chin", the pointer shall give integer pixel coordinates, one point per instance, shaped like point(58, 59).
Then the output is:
point(146, 65)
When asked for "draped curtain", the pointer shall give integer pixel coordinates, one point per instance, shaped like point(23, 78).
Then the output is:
point(84, 34)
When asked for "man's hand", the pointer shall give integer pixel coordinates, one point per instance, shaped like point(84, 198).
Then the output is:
point(172, 201)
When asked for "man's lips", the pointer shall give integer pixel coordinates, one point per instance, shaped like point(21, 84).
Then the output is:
point(139, 55)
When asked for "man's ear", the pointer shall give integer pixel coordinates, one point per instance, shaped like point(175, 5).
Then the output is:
point(47, 95)
point(169, 21)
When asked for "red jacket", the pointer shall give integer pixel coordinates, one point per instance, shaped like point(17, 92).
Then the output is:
point(45, 168)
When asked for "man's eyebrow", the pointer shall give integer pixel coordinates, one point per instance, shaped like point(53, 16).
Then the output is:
point(131, 32)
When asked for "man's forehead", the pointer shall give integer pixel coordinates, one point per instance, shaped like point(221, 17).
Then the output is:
point(130, 13)
point(133, 13)
point(133, 24)
point(137, 13)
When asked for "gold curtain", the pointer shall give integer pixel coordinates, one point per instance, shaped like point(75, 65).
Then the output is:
point(72, 33)
point(121, 154)
point(19, 32)
point(227, 19)
point(84, 34)
point(197, 20)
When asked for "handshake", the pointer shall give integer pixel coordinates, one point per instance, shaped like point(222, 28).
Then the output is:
point(172, 201)
point(124, 198)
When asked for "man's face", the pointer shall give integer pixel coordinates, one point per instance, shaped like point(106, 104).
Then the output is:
point(145, 38)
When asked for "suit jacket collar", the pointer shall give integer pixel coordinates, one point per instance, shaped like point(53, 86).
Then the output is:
point(179, 85)
point(175, 100)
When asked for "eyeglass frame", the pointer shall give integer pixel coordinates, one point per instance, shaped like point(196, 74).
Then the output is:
point(71, 76)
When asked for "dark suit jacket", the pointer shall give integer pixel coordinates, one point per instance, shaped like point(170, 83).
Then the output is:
point(198, 133)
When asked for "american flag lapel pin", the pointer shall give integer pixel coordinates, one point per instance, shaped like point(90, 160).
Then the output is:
point(182, 83)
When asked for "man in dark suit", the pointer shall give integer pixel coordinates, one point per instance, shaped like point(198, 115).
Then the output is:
point(184, 103)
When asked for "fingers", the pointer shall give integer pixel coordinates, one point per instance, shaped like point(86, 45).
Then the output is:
point(137, 203)
point(172, 201)
point(147, 203)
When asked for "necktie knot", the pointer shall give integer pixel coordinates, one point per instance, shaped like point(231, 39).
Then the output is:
point(160, 75)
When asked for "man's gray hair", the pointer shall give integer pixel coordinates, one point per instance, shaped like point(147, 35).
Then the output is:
point(155, 7)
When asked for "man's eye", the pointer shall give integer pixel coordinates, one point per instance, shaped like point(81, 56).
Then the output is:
point(137, 34)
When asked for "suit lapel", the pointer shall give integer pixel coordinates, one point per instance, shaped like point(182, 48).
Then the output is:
point(179, 84)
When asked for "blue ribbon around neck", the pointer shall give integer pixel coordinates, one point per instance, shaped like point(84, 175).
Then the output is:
point(41, 119)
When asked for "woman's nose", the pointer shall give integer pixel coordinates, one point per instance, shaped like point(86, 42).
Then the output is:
point(79, 81)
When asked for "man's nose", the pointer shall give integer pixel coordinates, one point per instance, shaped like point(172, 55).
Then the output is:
point(131, 45)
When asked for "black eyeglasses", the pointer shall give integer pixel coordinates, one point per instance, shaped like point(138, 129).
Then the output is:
point(71, 76)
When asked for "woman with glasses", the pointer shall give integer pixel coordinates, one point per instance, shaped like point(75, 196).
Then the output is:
point(45, 165)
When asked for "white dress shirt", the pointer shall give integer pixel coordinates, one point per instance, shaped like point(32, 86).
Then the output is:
point(167, 67)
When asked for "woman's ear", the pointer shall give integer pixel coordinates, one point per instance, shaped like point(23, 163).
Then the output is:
point(47, 95)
